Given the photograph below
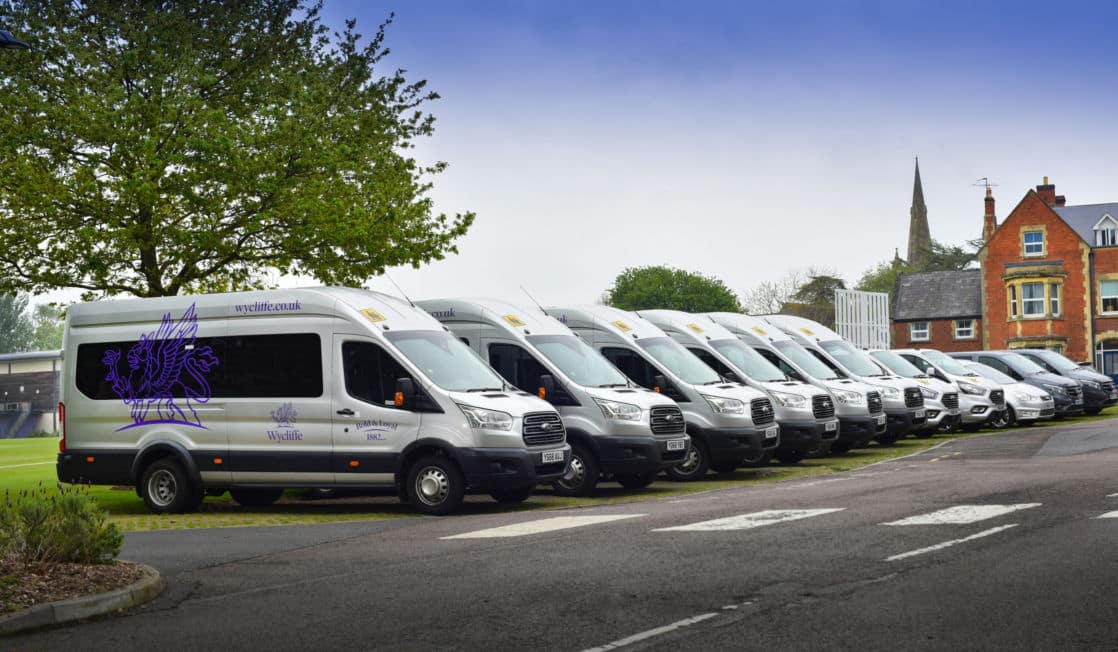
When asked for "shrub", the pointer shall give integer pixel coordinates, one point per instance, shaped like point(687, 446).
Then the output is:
point(65, 525)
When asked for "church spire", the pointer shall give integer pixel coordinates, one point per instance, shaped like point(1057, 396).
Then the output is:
point(919, 237)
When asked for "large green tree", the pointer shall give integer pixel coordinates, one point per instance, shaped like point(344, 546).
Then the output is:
point(645, 288)
point(815, 299)
point(17, 332)
point(162, 147)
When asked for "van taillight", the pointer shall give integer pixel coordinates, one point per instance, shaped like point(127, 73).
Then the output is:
point(62, 424)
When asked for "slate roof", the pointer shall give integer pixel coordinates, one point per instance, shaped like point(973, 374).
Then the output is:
point(1082, 219)
point(938, 295)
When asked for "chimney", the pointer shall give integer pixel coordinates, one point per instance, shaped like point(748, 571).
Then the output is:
point(1061, 200)
point(989, 222)
point(1047, 192)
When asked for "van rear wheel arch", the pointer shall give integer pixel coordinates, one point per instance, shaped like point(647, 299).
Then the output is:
point(160, 450)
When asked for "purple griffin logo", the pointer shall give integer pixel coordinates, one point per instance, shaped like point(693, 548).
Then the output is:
point(161, 366)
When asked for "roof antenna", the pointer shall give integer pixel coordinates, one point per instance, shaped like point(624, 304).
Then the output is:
point(400, 291)
point(985, 182)
point(533, 300)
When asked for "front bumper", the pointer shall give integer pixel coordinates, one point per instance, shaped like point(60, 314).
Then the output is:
point(498, 469)
point(937, 416)
point(904, 421)
point(1034, 410)
point(806, 434)
point(637, 455)
point(1096, 399)
point(1065, 406)
point(861, 429)
point(735, 444)
point(976, 409)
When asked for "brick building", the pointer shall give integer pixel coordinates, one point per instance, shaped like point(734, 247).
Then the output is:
point(939, 310)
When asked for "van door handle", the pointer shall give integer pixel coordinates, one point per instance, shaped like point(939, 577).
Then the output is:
point(346, 412)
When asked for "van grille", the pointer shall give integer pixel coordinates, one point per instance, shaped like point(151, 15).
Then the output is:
point(951, 401)
point(913, 398)
point(997, 397)
point(1075, 393)
point(666, 420)
point(822, 406)
point(543, 428)
point(873, 402)
point(762, 411)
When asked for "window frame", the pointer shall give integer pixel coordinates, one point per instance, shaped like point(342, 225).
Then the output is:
point(1042, 299)
point(912, 331)
point(1054, 298)
point(1103, 297)
point(1013, 301)
point(1025, 244)
point(957, 328)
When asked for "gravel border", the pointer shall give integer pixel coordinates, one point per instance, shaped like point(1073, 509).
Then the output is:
point(146, 589)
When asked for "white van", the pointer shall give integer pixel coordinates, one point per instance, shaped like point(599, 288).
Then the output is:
point(806, 414)
point(615, 429)
point(254, 392)
point(858, 406)
point(729, 424)
point(980, 400)
point(941, 398)
point(904, 402)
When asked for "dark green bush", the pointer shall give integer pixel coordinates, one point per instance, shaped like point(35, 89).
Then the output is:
point(63, 525)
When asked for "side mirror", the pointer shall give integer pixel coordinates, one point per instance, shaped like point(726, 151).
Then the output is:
point(405, 392)
point(659, 384)
point(936, 373)
point(547, 386)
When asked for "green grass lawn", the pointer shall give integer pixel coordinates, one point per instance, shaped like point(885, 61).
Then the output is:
point(25, 463)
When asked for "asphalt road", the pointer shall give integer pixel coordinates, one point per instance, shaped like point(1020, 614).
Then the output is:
point(993, 542)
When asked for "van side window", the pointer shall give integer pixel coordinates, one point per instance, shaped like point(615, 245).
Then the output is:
point(714, 363)
point(523, 371)
point(822, 358)
point(370, 373)
point(779, 363)
point(639, 370)
point(999, 365)
point(919, 363)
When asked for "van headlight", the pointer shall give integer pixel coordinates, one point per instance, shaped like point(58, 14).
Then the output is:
point(1092, 384)
point(848, 397)
point(971, 388)
point(929, 393)
point(618, 410)
point(482, 419)
point(725, 405)
point(794, 401)
point(1054, 389)
point(889, 392)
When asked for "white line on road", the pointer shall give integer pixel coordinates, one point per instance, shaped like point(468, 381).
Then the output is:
point(1109, 515)
point(962, 514)
point(1112, 495)
point(948, 544)
point(14, 466)
point(636, 638)
point(748, 521)
point(542, 525)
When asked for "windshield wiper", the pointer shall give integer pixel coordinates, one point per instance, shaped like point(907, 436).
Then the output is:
point(614, 385)
point(486, 389)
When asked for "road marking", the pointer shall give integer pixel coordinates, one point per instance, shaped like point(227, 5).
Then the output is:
point(962, 514)
point(1112, 496)
point(748, 521)
point(636, 638)
point(15, 466)
point(1109, 515)
point(948, 544)
point(542, 525)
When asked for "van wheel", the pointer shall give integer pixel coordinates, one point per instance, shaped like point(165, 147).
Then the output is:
point(694, 465)
point(581, 477)
point(636, 480)
point(886, 439)
point(255, 497)
point(757, 460)
point(512, 496)
point(435, 485)
point(725, 466)
point(166, 489)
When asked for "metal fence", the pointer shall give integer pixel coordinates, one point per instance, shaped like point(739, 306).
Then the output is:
point(862, 318)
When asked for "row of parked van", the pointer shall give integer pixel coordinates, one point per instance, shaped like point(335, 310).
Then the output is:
point(257, 392)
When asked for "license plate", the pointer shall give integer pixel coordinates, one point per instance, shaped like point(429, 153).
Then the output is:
point(953, 412)
point(1079, 401)
point(919, 414)
point(677, 444)
point(880, 420)
point(771, 432)
point(831, 426)
point(1114, 394)
point(549, 457)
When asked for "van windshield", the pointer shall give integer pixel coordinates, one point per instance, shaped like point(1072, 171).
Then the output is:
point(681, 362)
point(449, 363)
point(855, 361)
point(578, 360)
point(1054, 360)
point(898, 365)
point(805, 360)
point(1021, 364)
point(947, 364)
point(990, 373)
point(748, 361)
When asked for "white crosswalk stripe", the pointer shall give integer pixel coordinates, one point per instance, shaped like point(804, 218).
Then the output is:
point(749, 521)
point(542, 525)
point(962, 514)
point(1108, 515)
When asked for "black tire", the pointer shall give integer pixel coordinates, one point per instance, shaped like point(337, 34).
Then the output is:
point(757, 460)
point(1002, 422)
point(166, 489)
point(512, 496)
point(255, 497)
point(725, 466)
point(434, 485)
point(791, 457)
point(886, 439)
point(582, 475)
point(841, 447)
point(635, 480)
point(694, 465)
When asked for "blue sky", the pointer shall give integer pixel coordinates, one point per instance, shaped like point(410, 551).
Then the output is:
point(739, 139)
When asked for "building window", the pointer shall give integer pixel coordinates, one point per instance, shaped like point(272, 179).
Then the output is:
point(919, 331)
point(964, 329)
point(1032, 299)
point(1106, 232)
point(1034, 243)
point(1108, 291)
point(1013, 301)
point(1054, 299)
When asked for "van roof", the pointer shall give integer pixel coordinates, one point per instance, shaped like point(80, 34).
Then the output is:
point(376, 307)
point(801, 327)
point(606, 319)
point(751, 326)
point(698, 327)
point(494, 312)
